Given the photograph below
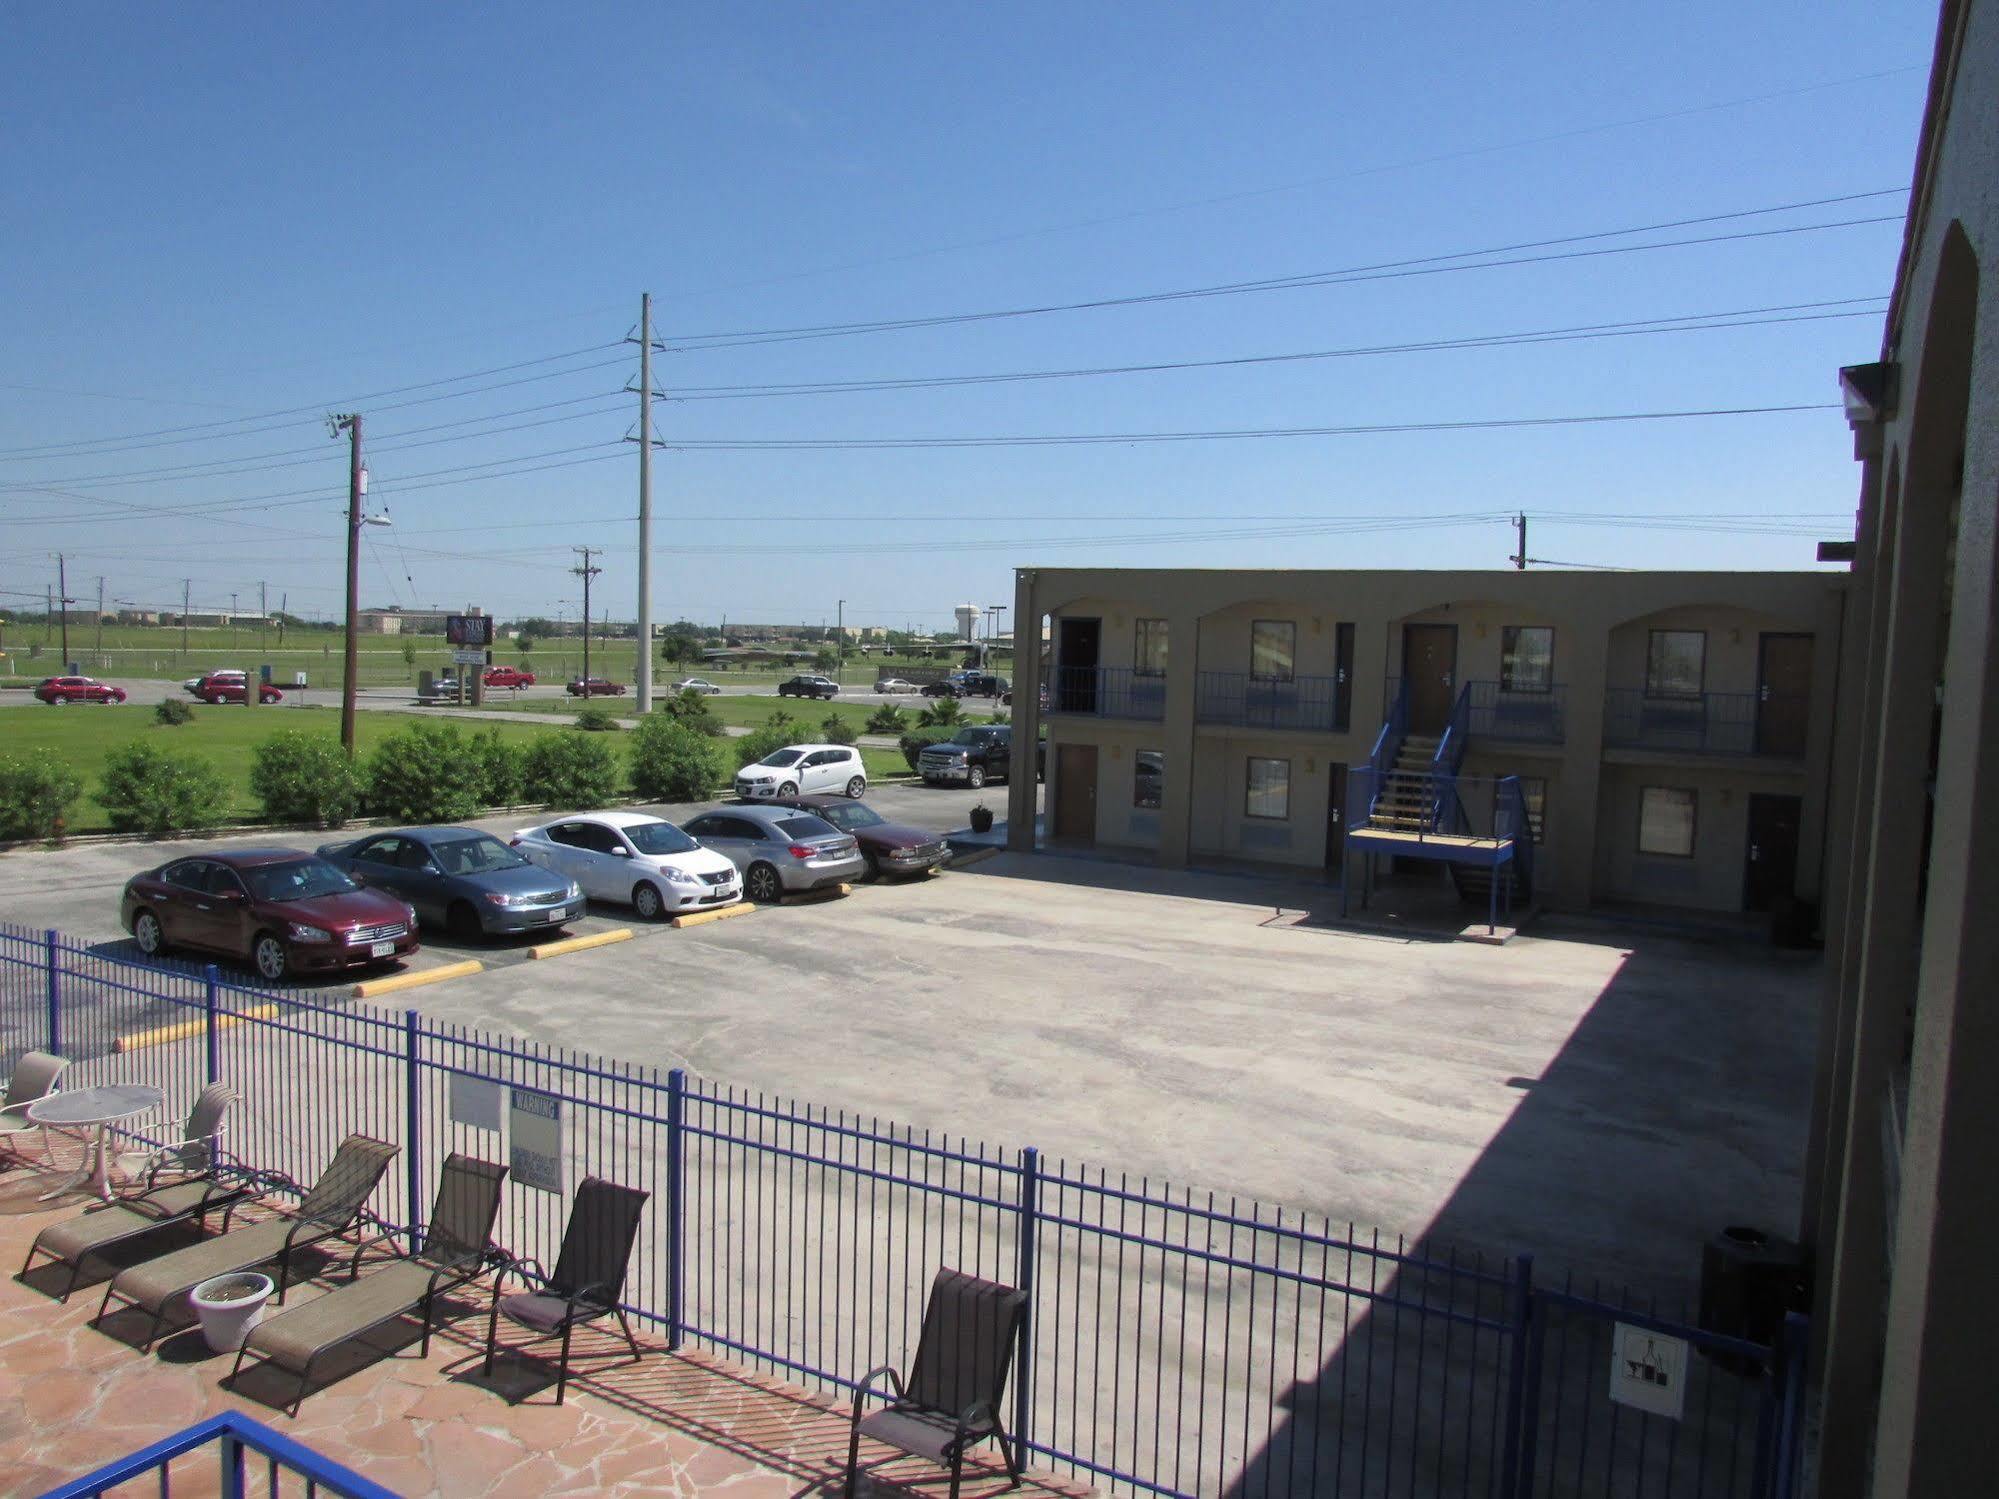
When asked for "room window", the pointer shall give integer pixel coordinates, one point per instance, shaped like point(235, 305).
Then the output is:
point(1273, 649)
point(1666, 822)
point(1269, 790)
point(1148, 778)
point(1534, 792)
point(1148, 655)
point(1676, 663)
point(1526, 658)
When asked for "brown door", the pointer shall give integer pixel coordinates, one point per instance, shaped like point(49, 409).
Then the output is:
point(1783, 694)
point(1076, 792)
point(1771, 873)
point(1430, 666)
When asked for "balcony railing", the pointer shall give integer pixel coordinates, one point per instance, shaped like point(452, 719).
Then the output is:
point(1513, 715)
point(288, 1466)
point(1106, 692)
point(1235, 697)
point(1707, 723)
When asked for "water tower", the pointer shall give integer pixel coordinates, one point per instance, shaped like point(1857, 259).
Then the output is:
point(968, 620)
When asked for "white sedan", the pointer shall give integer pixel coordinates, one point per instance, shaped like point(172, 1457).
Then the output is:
point(628, 857)
point(695, 684)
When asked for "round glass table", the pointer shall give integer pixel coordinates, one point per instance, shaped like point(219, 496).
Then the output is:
point(81, 1108)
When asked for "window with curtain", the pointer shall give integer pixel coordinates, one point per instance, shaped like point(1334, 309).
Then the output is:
point(1273, 649)
point(1269, 789)
point(1676, 663)
point(1148, 656)
point(1526, 658)
point(1666, 822)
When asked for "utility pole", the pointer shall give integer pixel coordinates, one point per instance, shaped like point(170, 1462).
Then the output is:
point(645, 509)
point(840, 649)
point(185, 585)
point(232, 624)
point(1520, 525)
point(586, 572)
point(62, 602)
point(284, 608)
point(351, 425)
point(100, 624)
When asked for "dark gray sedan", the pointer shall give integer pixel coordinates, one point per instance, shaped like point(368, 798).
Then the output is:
point(461, 879)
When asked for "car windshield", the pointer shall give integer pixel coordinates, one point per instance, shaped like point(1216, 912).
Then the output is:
point(853, 816)
point(659, 838)
point(782, 757)
point(805, 827)
point(475, 856)
point(300, 879)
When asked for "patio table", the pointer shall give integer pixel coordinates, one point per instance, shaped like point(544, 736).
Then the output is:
point(102, 1107)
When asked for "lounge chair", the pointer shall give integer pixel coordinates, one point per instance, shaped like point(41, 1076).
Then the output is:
point(183, 1181)
point(588, 1279)
point(34, 1079)
point(457, 1246)
point(952, 1399)
point(332, 1209)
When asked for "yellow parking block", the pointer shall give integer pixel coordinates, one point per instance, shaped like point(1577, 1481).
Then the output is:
point(369, 988)
point(825, 892)
point(182, 1030)
point(718, 913)
point(581, 944)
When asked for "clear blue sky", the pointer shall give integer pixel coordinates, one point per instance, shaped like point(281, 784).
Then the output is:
point(222, 212)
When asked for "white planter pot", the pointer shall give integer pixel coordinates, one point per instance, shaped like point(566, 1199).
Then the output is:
point(229, 1306)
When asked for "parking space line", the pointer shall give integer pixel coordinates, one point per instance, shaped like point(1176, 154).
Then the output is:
point(369, 988)
point(720, 913)
point(581, 944)
point(183, 1029)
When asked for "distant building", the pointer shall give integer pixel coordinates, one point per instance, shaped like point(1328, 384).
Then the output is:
point(396, 621)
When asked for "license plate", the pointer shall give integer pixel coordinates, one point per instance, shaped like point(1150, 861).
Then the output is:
point(382, 950)
point(557, 915)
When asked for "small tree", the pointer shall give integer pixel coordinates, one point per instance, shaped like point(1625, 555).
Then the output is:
point(150, 789)
point(573, 770)
point(887, 719)
point(36, 794)
point(691, 709)
point(672, 761)
point(301, 777)
point(824, 660)
point(409, 653)
point(777, 732)
point(597, 721)
point(425, 773)
point(835, 730)
point(943, 713)
point(525, 644)
point(173, 711)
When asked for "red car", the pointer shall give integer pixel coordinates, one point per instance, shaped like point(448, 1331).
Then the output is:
point(60, 690)
point(508, 676)
point(230, 689)
point(283, 911)
point(595, 687)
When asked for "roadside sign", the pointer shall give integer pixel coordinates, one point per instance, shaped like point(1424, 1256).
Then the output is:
point(468, 629)
point(469, 657)
point(1648, 1370)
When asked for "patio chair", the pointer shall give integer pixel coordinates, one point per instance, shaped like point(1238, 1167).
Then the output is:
point(34, 1079)
point(457, 1246)
point(331, 1210)
point(589, 1275)
point(952, 1399)
point(183, 1181)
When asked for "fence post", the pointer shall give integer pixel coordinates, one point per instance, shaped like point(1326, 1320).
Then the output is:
point(52, 955)
point(211, 1006)
point(232, 1467)
point(1023, 1373)
point(676, 1103)
point(1522, 1404)
point(412, 1094)
point(1792, 1345)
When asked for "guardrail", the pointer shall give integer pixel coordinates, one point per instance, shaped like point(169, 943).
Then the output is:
point(1705, 723)
point(235, 1438)
point(1514, 715)
point(1238, 698)
point(1106, 692)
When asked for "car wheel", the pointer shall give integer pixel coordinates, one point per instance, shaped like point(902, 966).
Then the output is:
point(762, 885)
point(146, 932)
point(272, 961)
point(975, 777)
point(874, 863)
point(857, 787)
point(646, 901)
point(462, 922)
point(789, 788)
point(116, 697)
point(58, 701)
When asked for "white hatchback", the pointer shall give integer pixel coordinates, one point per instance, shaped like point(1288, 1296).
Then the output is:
point(803, 770)
point(634, 859)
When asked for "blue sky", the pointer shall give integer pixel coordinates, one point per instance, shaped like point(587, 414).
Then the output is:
point(220, 213)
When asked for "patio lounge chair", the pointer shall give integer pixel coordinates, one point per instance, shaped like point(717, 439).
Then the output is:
point(970, 1328)
point(183, 1180)
point(457, 1246)
point(332, 1209)
point(589, 1274)
point(34, 1079)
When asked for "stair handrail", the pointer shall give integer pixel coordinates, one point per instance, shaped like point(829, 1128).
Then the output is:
point(1450, 751)
point(1394, 728)
point(1510, 820)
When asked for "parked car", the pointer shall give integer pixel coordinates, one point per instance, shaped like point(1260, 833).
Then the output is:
point(696, 684)
point(193, 685)
point(229, 687)
point(809, 685)
point(803, 768)
point(976, 754)
point(60, 690)
point(634, 859)
point(982, 684)
point(894, 685)
point(943, 687)
point(889, 847)
point(780, 850)
point(461, 879)
point(515, 677)
point(595, 687)
point(282, 910)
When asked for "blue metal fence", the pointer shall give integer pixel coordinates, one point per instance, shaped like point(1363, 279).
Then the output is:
point(1704, 723)
point(1179, 1342)
point(235, 1439)
point(1514, 715)
point(1236, 697)
point(1106, 692)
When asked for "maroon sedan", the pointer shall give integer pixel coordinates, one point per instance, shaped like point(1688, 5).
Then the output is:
point(891, 848)
point(60, 690)
point(283, 911)
point(230, 689)
point(595, 687)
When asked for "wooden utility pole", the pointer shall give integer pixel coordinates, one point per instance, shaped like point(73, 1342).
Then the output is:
point(586, 572)
point(62, 603)
point(1520, 557)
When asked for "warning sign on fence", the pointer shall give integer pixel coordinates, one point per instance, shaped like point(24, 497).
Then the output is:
point(1648, 1370)
point(534, 1138)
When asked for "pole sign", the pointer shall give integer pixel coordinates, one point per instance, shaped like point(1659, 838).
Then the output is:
point(468, 630)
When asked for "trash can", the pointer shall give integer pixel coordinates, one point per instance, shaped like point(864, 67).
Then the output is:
point(1749, 1280)
point(228, 1306)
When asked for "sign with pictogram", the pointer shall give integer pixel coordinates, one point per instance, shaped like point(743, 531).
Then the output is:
point(1648, 1370)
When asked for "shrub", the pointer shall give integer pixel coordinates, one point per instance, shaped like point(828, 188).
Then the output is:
point(499, 762)
point(691, 708)
point(913, 743)
point(36, 793)
point(944, 710)
point(597, 721)
point(672, 761)
point(571, 770)
point(1001, 715)
point(301, 777)
point(409, 653)
point(834, 730)
point(148, 789)
point(887, 719)
point(425, 773)
point(777, 732)
point(174, 711)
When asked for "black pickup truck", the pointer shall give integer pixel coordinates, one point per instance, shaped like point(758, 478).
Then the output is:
point(974, 755)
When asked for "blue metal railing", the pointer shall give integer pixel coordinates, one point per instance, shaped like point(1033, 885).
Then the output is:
point(1705, 723)
point(1394, 726)
point(1450, 751)
point(1106, 692)
point(1510, 820)
point(1519, 717)
point(235, 1438)
point(1236, 697)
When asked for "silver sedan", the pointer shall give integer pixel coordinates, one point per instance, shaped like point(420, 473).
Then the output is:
point(779, 850)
